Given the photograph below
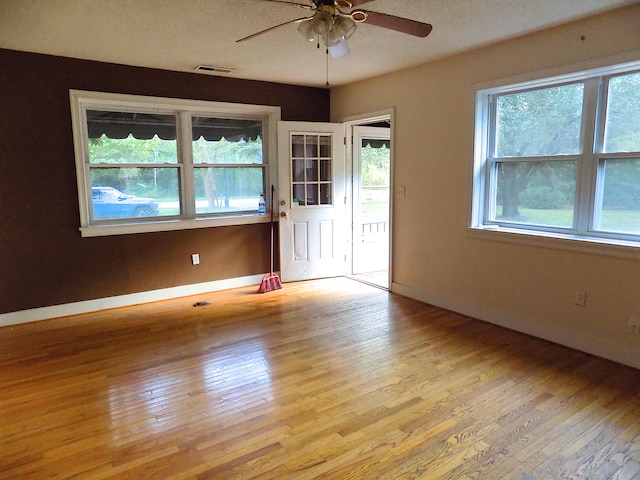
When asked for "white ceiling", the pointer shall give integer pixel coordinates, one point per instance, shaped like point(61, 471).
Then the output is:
point(181, 34)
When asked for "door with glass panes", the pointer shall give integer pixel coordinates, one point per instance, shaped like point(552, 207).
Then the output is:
point(311, 200)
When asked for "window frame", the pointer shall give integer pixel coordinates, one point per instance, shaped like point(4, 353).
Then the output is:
point(184, 110)
point(591, 158)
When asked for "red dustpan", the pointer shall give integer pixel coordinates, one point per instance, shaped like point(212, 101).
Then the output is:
point(271, 281)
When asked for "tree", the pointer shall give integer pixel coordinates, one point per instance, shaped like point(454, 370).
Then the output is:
point(623, 114)
point(547, 122)
point(130, 150)
point(219, 184)
point(216, 183)
point(535, 123)
point(375, 166)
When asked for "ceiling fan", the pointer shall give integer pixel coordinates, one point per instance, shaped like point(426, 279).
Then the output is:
point(334, 21)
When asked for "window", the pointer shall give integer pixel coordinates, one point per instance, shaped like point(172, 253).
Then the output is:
point(311, 169)
point(151, 164)
point(561, 156)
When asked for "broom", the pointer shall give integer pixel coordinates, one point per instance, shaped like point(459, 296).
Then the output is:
point(271, 281)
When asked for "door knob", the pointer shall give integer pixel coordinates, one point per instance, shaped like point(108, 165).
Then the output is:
point(283, 214)
point(282, 202)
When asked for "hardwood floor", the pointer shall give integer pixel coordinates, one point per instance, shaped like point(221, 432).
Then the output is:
point(326, 379)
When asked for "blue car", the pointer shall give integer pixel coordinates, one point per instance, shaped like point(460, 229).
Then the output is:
point(110, 203)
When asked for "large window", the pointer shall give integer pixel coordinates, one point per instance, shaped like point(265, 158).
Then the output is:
point(561, 156)
point(149, 164)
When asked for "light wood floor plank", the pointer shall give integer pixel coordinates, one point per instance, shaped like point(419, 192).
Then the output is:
point(324, 379)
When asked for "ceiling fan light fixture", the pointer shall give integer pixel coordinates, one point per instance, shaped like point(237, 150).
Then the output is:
point(322, 22)
point(344, 27)
point(307, 30)
point(331, 38)
point(340, 50)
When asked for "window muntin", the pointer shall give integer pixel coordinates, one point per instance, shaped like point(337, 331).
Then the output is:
point(311, 170)
point(536, 141)
point(133, 172)
point(561, 156)
point(229, 170)
point(153, 153)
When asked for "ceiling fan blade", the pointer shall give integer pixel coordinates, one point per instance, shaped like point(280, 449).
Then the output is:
point(253, 35)
point(399, 24)
point(357, 3)
point(299, 5)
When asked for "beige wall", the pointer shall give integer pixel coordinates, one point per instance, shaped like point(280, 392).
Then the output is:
point(528, 286)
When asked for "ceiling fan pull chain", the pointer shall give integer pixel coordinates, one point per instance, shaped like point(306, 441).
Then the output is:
point(327, 57)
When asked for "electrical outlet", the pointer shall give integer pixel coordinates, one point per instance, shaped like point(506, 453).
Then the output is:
point(580, 299)
point(633, 326)
point(195, 259)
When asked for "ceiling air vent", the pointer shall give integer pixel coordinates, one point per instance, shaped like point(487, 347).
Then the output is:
point(213, 69)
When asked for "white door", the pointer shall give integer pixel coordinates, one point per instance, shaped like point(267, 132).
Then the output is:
point(312, 200)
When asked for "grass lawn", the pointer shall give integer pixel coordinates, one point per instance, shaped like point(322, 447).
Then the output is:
point(620, 221)
point(374, 211)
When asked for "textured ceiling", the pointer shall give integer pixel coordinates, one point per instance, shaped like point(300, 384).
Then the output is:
point(181, 34)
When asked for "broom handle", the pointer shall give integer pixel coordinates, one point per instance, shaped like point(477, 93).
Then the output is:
point(272, 189)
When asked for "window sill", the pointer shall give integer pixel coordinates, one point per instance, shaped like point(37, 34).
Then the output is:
point(171, 225)
point(575, 243)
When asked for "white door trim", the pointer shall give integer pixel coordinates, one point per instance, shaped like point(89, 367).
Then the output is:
point(363, 119)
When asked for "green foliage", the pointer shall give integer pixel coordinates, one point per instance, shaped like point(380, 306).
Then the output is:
point(544, 197)
point(220, 184)
point(132, 150)
point(376, 166)
point(224, 151)
point(539, 122)
point(622, 185)
point(547, 122)
point(623, 114)
point(155, 173)
point(624, 221)
point(535, 185)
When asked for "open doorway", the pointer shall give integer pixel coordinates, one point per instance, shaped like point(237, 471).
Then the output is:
point(371, 169)
point(330, 197)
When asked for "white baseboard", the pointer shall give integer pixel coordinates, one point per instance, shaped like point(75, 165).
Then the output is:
point(55, 311)
point(623, 354)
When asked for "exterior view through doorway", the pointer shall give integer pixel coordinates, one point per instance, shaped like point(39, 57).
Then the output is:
point(371, 167)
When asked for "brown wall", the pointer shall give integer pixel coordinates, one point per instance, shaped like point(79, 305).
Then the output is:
point(43, 259)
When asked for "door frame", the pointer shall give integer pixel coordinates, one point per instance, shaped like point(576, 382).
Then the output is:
point(349, 123)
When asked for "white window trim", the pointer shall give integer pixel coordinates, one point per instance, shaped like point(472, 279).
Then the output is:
point(582, 239)
point(81, 101)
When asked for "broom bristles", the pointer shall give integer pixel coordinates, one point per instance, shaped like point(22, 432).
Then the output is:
point(270, 282)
